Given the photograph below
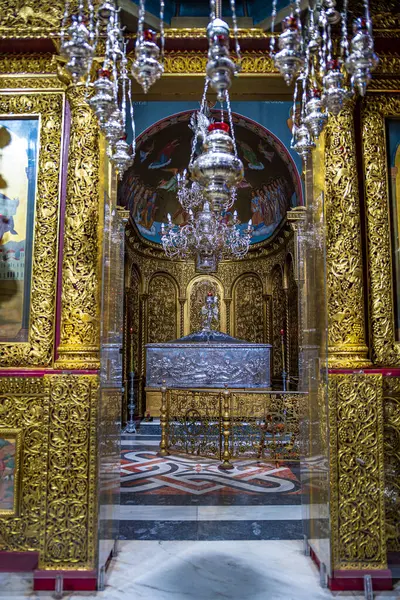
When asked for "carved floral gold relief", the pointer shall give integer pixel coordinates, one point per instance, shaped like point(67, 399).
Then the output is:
point(57, 416)
point(39, 348)
point(278, 320)
point(376, 109)
point(292, 325)
point(79, 335)
point(24, 404)
point(391, 428)
point(346, 325)
point(70, 519)
point(162, 310)
point(191, 62)
point(357, 472)
point(133, 308)
point(249, 309)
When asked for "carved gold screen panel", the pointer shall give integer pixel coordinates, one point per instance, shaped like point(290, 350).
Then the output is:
point(162, 310)
point(24, 405)
point(278, 320)
point(29, 232)
point(10, 459)
point(377, 110)
point(393, 156)
point(292, 325)
point(357, 471)
point(249, 309)
point(132, 308)
point(391, 430)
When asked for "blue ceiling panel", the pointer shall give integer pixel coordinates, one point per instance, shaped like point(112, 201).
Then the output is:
point(261, 9)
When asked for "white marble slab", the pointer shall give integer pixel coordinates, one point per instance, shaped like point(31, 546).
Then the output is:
point(157, 513)
point(206, 513)
point(290, 512)
point(240, 570)
point(140, 442)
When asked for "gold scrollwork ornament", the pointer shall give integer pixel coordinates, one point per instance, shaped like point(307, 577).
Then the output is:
point(385, 348)
point(39, 348)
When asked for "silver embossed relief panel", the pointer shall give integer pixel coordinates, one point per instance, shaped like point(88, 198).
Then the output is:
point(202, 365)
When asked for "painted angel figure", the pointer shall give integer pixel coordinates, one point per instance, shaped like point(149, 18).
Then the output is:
point(210, 311)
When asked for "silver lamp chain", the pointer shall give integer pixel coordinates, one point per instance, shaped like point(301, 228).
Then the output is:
point(294, 110)
point(344, 42)
point(228, 105)
point(162, 36)
point(202, 111)
point(236, 34)
point(212, 10)
point(142, 13)
point(273, 19)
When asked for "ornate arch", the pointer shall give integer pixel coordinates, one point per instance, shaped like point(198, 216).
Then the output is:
point(196, 292)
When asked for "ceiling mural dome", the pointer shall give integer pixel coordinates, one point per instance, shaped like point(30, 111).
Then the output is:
point(270, 187)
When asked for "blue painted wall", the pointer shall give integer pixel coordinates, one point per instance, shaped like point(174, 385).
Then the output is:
point(257, 9)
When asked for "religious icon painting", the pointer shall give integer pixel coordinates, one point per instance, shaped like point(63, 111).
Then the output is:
point(18, 168)
point(10, 450)
point(393, 154)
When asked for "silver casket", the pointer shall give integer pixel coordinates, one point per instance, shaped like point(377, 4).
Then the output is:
point(208, 359)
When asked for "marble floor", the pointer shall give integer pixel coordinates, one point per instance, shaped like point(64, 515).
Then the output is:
point(191, 532)
point(179, 497)
point(184, 570)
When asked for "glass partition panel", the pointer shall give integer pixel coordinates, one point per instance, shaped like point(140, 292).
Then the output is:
point(110, 374)
point(313, 363)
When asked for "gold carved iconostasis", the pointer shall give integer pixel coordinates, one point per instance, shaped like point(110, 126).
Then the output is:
point(257, 296)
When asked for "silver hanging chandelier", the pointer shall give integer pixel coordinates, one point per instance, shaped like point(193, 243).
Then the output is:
point(207, 190)
point(110, 94)
point(207, 238)
point(306, 55)
point(148, 64)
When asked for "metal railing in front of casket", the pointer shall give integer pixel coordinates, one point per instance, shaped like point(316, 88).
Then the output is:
point(230, 423)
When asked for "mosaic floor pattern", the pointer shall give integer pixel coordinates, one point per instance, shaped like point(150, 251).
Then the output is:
point(143, 471)
point(183, 498)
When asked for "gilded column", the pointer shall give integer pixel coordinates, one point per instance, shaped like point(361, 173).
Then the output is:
point(228, 303)
point(182, 302)
point(346, 319)
point(80, 299)
point(143, 339)
point(268, 318)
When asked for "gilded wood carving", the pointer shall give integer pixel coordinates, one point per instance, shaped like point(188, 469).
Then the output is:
point(292, 326)
point(346, 321)
point(249, 309)
point(38, 350)
point(80, 303)
point(357, 472)
point(70, 518)
point(162, 310)
point(24, 404)
point(391, 431)
point(278, 320)
point(386, 351)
